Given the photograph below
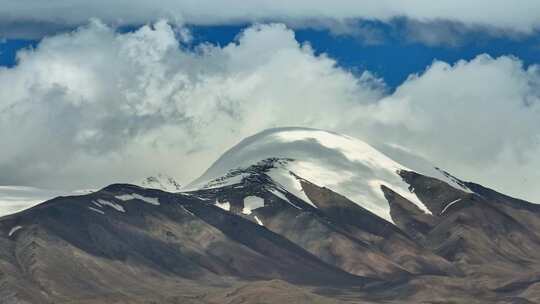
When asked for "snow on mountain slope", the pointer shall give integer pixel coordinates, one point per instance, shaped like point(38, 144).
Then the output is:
point(341, 163)
point(161, 182)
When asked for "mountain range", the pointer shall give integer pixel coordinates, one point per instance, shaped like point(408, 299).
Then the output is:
point(288, 215)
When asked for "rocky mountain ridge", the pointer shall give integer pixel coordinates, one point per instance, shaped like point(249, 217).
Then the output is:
point(277, 219)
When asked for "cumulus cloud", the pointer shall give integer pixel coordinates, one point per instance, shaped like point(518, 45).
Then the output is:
point(25, 16)
point(478, 118)
point(104, 106)
point(94, 106)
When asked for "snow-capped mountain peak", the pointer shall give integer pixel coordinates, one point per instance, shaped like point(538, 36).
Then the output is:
point(162, 182)
point(346, 165)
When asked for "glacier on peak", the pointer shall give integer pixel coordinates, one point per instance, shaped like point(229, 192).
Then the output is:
point(346, 165)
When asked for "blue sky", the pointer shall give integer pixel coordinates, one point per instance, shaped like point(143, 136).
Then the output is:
point(393, 58)
point(9, 48)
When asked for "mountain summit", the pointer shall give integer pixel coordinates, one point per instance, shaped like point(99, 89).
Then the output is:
point(288, 215)
point(343, 164)
point(162, 182)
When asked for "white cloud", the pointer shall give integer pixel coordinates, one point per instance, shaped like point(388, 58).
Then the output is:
point(479, 119)
point(92, 107)
point(122, 106)
point(34, 15)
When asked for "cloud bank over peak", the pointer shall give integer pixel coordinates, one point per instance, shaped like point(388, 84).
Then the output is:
point(98, 100)
point(95, 106)
point(35, 17)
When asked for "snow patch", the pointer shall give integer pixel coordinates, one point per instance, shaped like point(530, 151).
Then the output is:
point(451, 180)
point(135, 196)
point(251, 203)
point(406, 193)
point(13, 230)
point(195, 196)
point(96, 210)
point(280, 195)
point(449, 205)
point(289, 183)
point(187, 211)
point(103, 202)
point(225, 206)
point(258, 221)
